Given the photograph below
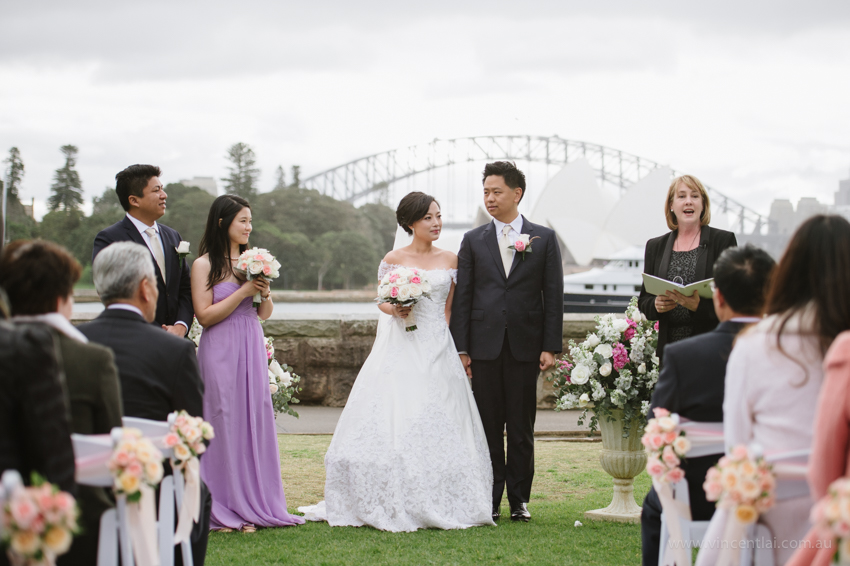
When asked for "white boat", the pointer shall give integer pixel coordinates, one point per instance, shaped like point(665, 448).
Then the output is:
point(608, 288)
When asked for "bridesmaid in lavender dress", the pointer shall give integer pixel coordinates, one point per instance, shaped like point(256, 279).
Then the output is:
point(242, 465)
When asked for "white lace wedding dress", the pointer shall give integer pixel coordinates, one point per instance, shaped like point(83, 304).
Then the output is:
point(409, 450)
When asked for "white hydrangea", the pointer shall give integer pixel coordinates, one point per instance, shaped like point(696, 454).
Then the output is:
point(624, 382)
point(568, 401)
point(598, 391)
point(618, 398)
point(644, 407)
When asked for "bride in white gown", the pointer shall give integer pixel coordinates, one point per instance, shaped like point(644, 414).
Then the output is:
point(409, 451)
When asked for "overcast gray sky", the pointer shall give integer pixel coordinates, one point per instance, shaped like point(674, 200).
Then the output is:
point(750, 96)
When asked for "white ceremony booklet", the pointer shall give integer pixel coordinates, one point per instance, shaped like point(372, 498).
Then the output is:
point(657, 286)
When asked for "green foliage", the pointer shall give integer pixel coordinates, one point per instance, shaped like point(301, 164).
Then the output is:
point(14, 173)
point(350, 258)
point(382, 224)
point(67, 188)
point(280, 178)
point(186, 211)
point(242, 180)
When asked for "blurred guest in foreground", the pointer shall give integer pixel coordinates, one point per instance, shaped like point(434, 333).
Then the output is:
point(685, 255)
point(158, 371)
point(693, 373)
point(775, 371)
point(830, 457)
point(39, 277)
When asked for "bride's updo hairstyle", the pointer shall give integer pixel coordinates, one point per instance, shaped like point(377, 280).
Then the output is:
point(413, 208)
point(216, 239)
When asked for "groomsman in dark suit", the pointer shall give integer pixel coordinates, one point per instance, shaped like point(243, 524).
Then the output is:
point(507, 324)
point(159, 373)
point(693, 372)
point(143, 198)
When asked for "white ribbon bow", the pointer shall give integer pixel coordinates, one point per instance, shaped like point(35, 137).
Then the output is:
point(142, 518)
point(675, 552)
point(190, 509)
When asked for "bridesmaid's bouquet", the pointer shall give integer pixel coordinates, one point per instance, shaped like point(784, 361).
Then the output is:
point(665, 446)
point(39, 522)
point(283, 383)
point(258, 262)
point(404, 286)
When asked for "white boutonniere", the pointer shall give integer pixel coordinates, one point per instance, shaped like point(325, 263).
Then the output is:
point(523, 245)
point(182, 249)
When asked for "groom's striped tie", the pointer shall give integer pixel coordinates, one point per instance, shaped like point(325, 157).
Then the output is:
point(507, 253)
point(156, 247)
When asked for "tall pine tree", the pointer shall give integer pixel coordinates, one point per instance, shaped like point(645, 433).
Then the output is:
point(67, 188)
point(242, 180)
point(14, 173)
point(280, 175)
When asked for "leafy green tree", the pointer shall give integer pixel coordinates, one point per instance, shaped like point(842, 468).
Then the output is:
point(280, 176)
point(382, 225)
point(14, 173)
point(186, 211)
point(242, 180)
point(347, 258)
point(57, 225)
point(67, 188)
point(296, 176)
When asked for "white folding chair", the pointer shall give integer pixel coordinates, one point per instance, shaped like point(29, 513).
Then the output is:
point(170, 491)
point(790, 470)
point(706, 440)
point(92, 454)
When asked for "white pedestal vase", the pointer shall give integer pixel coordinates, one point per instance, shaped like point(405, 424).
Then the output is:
point(623, 459)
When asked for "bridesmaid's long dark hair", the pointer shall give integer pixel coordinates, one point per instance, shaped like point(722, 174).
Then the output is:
point(815, 271)
point(216, 241)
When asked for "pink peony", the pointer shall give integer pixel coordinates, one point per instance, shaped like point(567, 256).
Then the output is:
point(519, 245)
point(122, 458)
point(24, 511)
point(393, 277)
point(244, 266)
point(258, 257)
point(660, 412)
point(656, 441)
point(394, 292)
point(713, 490)
point(669, 456)
point(669, 437)
point(740, 452)
point(171, 440)
point(655, 467)
point(416, 280)
point(267, 269)
point(134, 469)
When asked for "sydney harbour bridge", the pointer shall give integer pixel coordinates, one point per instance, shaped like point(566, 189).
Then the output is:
point(450, 170)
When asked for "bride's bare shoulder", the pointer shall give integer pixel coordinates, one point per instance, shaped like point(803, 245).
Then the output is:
point(447, 258)
point(394, 257)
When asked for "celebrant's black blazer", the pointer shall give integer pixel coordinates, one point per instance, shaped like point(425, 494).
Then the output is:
point(656, 262)
point(175, 298)
point(528, 304)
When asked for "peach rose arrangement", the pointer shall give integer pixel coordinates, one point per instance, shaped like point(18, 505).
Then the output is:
point(743, 483)
point(135, 462)
point(831, 517)
point(258, 262)
point(39, 523)
point(666, 446)
point(404, 286)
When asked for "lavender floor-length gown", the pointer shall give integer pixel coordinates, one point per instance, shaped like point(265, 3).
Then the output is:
point(242, 465)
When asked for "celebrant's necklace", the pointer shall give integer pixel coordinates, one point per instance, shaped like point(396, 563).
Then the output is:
point(692, 241)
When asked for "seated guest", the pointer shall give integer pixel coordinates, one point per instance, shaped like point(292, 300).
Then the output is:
point(39, 277)
point(775, 372)
point(158, 371)
point(694, 369)
point(35, 430)
point(831, 448)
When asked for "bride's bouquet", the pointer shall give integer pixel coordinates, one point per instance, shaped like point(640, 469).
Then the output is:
point(258, 262)
point(404, 286)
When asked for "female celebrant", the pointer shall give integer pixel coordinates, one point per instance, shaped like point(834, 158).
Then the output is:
point(242, 465)
point(685, 255)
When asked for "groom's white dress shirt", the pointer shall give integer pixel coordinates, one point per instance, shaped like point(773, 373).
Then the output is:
point(141, 227)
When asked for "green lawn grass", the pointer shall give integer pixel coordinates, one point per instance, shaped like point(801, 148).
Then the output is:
point(568, 482)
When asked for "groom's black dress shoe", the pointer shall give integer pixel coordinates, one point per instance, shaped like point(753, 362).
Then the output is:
point(496, 512)
point(520, 513)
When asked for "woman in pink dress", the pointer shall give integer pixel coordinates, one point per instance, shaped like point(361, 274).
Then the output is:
point(830, 457)
point(242, 465)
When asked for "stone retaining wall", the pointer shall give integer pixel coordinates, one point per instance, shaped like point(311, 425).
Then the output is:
point(327, 351)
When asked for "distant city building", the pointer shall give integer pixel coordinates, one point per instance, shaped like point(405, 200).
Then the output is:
point(784, 219)
point(205, 183)
point(842, 197)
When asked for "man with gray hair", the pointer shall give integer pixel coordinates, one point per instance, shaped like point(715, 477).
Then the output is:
point(158, 371)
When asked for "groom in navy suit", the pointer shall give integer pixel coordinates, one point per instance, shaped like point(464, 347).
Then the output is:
point(507, 323)
point(143, 198)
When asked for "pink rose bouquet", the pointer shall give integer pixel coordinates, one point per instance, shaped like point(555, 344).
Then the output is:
point(742, 483)
point(186, 438)
point(666, 446)
point(135, 462)
point(39, 522)
point(831, 517)
point(258, 262)
point(404, 286)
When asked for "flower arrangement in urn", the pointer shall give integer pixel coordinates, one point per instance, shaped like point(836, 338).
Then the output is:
point(39, 522)
point(614, 368)
point(283, 383)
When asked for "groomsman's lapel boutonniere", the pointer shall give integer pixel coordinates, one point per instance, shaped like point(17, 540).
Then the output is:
point(182, 249)
point(523, 245)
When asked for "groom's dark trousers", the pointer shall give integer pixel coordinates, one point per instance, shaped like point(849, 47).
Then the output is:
point(504, 322)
